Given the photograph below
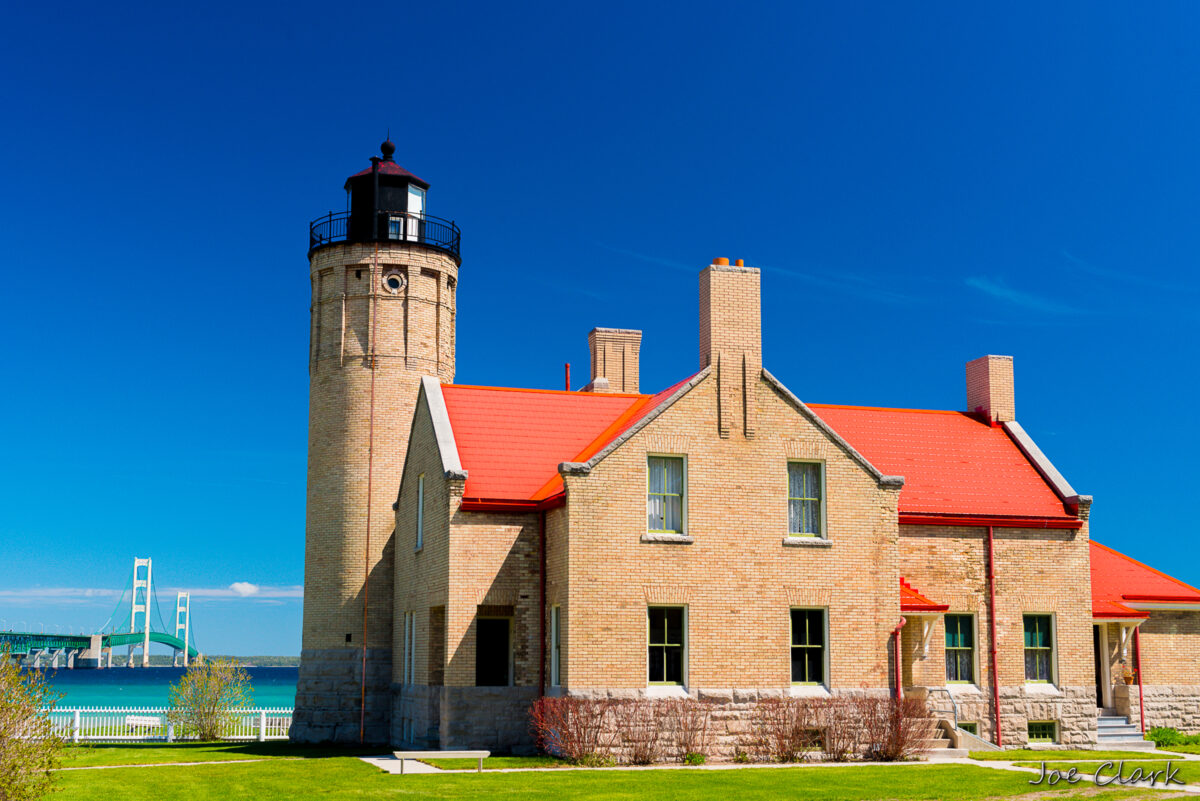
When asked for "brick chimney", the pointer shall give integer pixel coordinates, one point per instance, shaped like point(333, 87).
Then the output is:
point(614, 359)
point(731, 341)
point(990, 388)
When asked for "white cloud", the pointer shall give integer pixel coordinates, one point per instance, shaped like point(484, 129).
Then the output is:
point(244, 588)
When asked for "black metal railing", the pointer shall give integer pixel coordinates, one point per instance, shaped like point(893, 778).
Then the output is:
point(392, 226)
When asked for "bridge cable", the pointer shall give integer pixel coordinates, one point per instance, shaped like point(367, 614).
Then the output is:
point(117, 608)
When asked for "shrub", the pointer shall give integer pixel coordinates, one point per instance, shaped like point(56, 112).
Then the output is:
point(839, 729)
point(29, 751)
point(208, 698)
point(891, 730)
point(783, 730)
point(692, 758)
point(740, 756)
point(574, 729)
point(1165, 735)
point(688, 723)
point(640, 727)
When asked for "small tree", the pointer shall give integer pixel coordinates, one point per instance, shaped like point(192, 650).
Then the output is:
point(208, 698)
point(29, 751)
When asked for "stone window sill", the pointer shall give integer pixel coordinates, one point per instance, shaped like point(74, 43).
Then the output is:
point(680, 538)
point(964, 689)
point(666, 691)
point(806, 542)
point(1037, 688)
point(809, 691)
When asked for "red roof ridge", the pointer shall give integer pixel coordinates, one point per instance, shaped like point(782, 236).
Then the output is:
point(578, 392)
point(1146, 567)
point(885, 409)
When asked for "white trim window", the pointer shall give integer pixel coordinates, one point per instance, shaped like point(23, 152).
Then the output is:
point(809, 647)
point(1039, 648)
point(555, 646)
point(420, 512)
point(667, 645)
point(806, 499)
point(666, 494)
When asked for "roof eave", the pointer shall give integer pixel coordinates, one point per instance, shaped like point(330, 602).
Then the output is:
point(981, 521)
point(891, 482)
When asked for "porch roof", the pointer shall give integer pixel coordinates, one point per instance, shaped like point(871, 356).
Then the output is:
point(913, 602)
point(1118, 580)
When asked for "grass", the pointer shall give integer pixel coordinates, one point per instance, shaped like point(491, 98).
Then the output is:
point(1188, 772)
point(336, 778)
point(80, 756)
point(1181, 749)
point(1059, 756)
point(497, 763)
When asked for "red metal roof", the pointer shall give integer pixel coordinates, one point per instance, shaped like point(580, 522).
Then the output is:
point(1116, 578)
point(952, 463)
point(912, 601)
point(390, 168)
point(511, 441)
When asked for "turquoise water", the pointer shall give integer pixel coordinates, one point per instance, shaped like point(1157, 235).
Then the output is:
point(272, 686)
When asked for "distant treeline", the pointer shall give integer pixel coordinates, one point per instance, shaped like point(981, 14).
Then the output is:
point(164, 660)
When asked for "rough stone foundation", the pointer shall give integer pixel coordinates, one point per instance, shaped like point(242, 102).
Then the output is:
point(1074, 708)
point(329, 694)
point(1174, 705)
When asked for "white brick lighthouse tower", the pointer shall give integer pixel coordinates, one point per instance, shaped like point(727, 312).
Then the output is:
point(384, 276)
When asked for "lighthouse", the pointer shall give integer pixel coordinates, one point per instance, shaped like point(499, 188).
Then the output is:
point(384, 276)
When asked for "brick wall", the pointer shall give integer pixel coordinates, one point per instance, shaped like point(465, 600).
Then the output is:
point(1037, 571)
point(737, 578)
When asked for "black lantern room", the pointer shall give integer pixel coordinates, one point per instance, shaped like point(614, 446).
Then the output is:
point(387, 203)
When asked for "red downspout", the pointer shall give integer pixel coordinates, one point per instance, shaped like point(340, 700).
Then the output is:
point(896, 658)
point(1137, 656)
point(991, 581)
point(542, 599)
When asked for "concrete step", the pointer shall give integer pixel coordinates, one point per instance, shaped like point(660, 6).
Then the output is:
point(935, 742)
point(1117, 744)
point(939, 754)
point(1112, 720)
point(1123, 731)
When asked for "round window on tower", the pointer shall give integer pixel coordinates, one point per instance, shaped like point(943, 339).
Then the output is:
point(393, 281)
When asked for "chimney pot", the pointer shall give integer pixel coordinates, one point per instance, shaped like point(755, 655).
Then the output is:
point(722, 261)
point(740, 263)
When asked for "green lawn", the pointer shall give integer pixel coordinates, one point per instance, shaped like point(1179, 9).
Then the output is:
point(498, 763)
point(155, 753)
point(1189, 772)
point(1059, 756)
point(348, 778)
point(1181, 749)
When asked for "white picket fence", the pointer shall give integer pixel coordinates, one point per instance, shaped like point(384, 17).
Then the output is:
point(149, 724)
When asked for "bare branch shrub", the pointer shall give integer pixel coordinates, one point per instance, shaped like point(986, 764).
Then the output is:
point(688, 722)
point(29, 751)
point(891, 730)
point(838, 723)
point(641, 728)
point(208, 698)
point(575, 729)
point(783, 730)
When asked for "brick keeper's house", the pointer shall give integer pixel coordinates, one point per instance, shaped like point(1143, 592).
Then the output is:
point(725, 540)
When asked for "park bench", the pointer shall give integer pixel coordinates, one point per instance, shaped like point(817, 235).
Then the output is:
point(480, 755)
point(135, 722)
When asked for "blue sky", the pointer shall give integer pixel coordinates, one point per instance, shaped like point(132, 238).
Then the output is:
point(921, 185)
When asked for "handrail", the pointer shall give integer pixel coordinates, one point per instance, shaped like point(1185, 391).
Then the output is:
point(393, 226)
point(949, 695)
